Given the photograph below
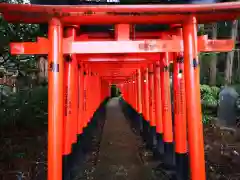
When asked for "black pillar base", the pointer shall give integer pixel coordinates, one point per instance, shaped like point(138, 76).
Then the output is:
point(78, 158)
point(159, 153)
point(140, 121)
point(145, 130)
point(74, 147)
point(73, 161)
point(169, 156)
point(167, 166)
point(77, 146)
point(67, 162)
point(132, 116)
point(152, 141)
point(182, 167)
point(84, 140)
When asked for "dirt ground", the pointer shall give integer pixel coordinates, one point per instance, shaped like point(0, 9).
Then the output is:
point(222, 147)
point(23, 154)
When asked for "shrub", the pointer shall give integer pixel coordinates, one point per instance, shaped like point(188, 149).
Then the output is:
point(210, 101)
point(25, 108)
point(209, 95)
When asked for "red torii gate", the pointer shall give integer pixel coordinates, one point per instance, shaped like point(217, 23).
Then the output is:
point(83, 51)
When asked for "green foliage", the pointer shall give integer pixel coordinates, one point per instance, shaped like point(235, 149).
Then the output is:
point(215, 91)
point(210, 100)
point(27, 108)
point(201, 30)
point(206, 118)
point(17, 33)
point(209, 95)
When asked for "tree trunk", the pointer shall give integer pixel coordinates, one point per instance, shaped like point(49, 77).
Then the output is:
point(46, 70)
point(238, 67)
point(230, 55)
point(213, 61)
point(42, 66)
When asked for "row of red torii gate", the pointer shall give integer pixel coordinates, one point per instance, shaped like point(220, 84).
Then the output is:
point(82, 67)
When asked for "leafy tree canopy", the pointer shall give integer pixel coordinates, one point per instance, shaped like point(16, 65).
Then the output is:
point(16, 33)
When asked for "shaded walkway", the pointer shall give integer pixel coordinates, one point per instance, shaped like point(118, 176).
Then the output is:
point(119, 157)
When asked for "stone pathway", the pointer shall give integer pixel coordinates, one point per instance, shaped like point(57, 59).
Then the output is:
point(119, 157)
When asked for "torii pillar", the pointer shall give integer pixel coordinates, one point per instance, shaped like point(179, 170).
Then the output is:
point(193, 100)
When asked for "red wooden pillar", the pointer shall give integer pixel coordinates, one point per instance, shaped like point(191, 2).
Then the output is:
point(122, 89)
point(180, 127)
point(71, 103)
point(143, 92)
point(70, 74)
point(166, 111)
point(151, 97)
point(67, 124)
point(88, 81)
point(85, 98)
point(97, 91)
point(193, 101)
point(127, 91)
point(92, 94)
point(101, 89)
point(103, 92)
point(89, 96)
point(108, 94)
point(134, 92)
point(139, 91)
point(146, 94)
point(122, 33)
point(80, 98)
point(70, 95)
point(130, 91)
point(158, 107)
point(95, 99)
point(104, 89)
point(152, 106)
point(55, 100)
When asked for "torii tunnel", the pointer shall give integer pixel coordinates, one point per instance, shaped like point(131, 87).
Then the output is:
point(83, 66)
